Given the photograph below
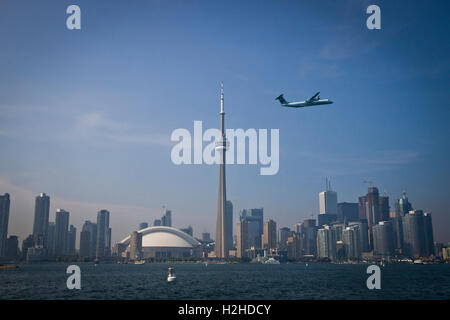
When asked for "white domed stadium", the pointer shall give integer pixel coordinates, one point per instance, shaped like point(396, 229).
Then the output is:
point(165, 242)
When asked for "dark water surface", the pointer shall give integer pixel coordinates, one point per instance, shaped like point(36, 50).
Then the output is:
point(231, 281)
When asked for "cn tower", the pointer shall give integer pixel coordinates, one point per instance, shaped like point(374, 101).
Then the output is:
point(221, 247)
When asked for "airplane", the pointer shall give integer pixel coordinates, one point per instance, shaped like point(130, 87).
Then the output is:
point(313, 101)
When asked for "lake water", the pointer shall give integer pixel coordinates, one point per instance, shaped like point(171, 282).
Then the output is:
point(230, 281)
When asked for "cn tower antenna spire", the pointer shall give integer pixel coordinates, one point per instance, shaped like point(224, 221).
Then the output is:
point(221, 97)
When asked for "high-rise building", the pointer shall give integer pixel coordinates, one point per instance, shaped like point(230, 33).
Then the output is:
point(51, 239)
point(397, 229)
point(285, 233)
point(40, 225)
point(327, 205)
point(255, 219)
point(222, 233)
point(229, 223)
point(12, 248)
point(294, 246)
point(135, 245)
point(166, 219)
point(157, 222)
point(242, 243)
point(61, 231)
point(384, 208)
point(363, 229)
point(269, 237)
point(338, 229)
point(143, 225)
point(413, 233)
point(402, 205)
point(71, 240)
point(326, 243)
point(89, 228)
point(308, 233)
point(103, 234)
point(369, 208)
point(428, 248)
point(347, 211)
point(352, 242)
point(4, 220)
point(383, 239)
point(85, 240)
point(328, 201)
point(27, 243)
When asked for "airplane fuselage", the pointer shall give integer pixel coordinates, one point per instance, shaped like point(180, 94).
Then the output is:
point(301, 104)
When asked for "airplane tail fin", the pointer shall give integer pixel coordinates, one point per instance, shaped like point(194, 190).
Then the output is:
point(281, 99)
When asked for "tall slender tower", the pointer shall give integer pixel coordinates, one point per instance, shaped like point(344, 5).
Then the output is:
point(222, 243)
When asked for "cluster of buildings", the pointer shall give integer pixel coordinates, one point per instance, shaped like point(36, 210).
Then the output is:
point(51, 241)
point(343, 231)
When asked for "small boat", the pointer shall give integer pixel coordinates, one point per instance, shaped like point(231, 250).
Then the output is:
point(139, 262)
point(171, 276)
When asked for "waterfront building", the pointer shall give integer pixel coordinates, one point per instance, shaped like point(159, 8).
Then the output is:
point(71, 240)
point(285, 233)
point(294, 246)
point(61, 231)
point(40, 224)
point(413, 233)
point(163, 243)
point(89, 228)
point(352, 241)
point(103, 235)
point(308, 233)
point(51, 239)
point(242, 243)
point(255, 219)
point(269, 237)
point(4, 220)
point(326, 243)
point(12, 248)
point(363, 228)
point(383, 238)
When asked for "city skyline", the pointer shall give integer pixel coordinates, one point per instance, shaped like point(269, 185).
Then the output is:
point(94, 133)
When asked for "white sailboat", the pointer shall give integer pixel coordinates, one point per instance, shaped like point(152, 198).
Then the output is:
point(171, 276)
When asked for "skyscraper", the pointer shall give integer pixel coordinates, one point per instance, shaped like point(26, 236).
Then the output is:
point(326, 243)
point(309, 236)
point(242, 238)
point(363, 229)
point(40, 225)
point(384, 208)
point(229, 223)
point(91, 229)
point(402, 205)
point(85, 244)
point(428, 249)
point(166, 219)
point(327, 205)
point(285, 233)
point(61, 231)
point(71, 240)
point(269, 237)
point(255, 219)
point(352, 242)
point(222, 242)
point(383, 239)
point(328, 201)
point(4, 220)
point(347, 211)
point(413, 233)
point(294, 246)
point(369, 208)
point(51, 239)
point(103, 234)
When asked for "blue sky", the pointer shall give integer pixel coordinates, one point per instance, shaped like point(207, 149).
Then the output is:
point(86, 116)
